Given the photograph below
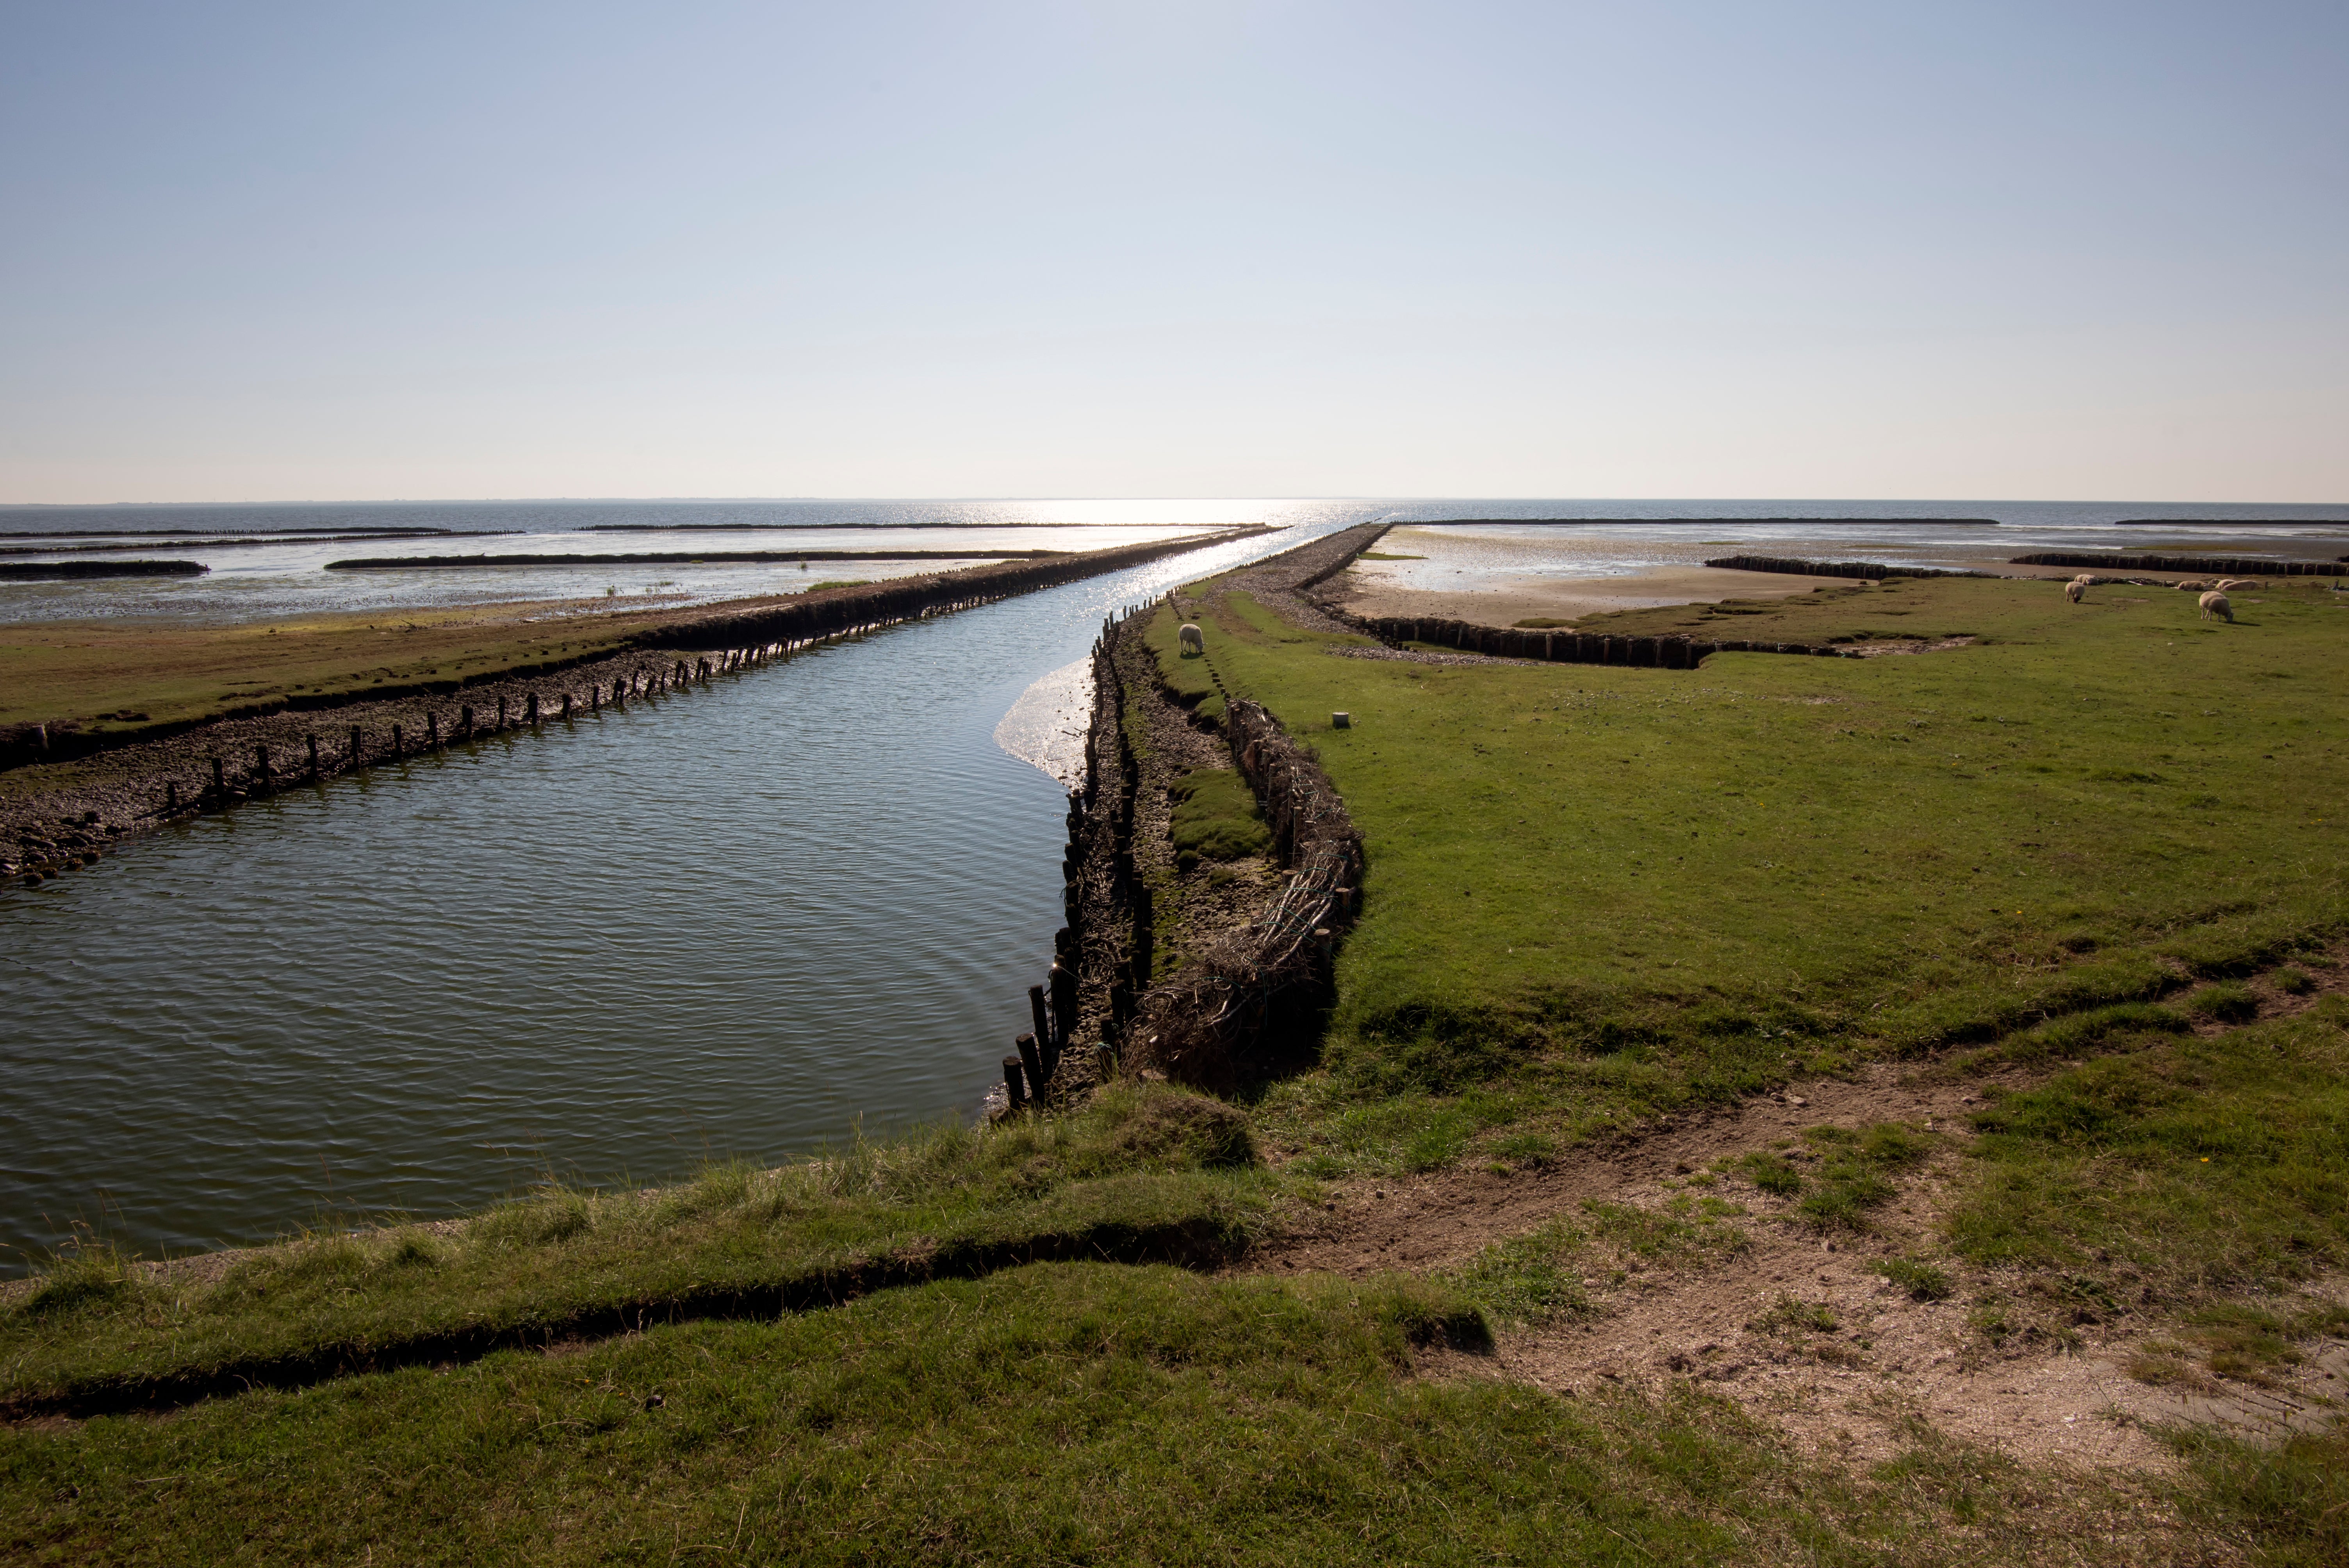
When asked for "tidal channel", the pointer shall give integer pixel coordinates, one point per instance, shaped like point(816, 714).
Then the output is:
point(740, 921)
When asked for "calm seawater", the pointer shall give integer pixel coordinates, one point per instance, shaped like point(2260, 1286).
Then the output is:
point(740, 921)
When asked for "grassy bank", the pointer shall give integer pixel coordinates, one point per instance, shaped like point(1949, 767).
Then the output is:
point(1599, 894)
point(1143, 1172)
point(1052, 1415)
point(111, 677)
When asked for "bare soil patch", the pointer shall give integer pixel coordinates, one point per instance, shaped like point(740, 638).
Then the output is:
point(1750, 1321)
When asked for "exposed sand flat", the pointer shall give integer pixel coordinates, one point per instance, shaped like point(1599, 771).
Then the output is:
point(1502, 601)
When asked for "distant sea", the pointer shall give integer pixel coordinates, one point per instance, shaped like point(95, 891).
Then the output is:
point(267, 563)
point(569, 516)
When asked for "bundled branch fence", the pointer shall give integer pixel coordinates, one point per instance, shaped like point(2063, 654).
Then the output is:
point(2223, 566)
point(1867, 571)
point(1566, 647)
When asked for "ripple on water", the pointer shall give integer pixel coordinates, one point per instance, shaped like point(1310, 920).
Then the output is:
point(729, 922)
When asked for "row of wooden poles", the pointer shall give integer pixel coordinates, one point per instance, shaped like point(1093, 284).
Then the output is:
point(470, 725)
point(1054, 1007)
point(1575, 647)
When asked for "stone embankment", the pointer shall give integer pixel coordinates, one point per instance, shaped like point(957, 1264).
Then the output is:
point(59, 815)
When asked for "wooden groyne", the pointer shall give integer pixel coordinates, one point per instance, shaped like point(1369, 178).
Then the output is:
point(1692, 522)
point(1217, 1020)
point(1867, 571)
point(2223, 566)
point(912, 598)
point(681, 558)
point(797, 620)
point(1569, 647)
point(223, 763)
point(77, 570)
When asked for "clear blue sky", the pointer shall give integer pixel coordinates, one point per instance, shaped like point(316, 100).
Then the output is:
point(253, 252)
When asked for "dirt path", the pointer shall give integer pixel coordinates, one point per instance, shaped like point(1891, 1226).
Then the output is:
point(1741, 1315)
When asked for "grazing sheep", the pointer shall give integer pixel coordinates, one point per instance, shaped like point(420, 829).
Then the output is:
point(2216, 608)
point(2075, 590)
point(1194, 641)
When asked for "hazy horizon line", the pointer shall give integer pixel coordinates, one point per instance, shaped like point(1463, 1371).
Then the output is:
point(934, 499)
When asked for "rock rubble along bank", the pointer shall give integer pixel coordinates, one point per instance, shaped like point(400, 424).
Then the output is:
point(57, 814)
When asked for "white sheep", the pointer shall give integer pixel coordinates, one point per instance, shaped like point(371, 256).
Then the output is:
point(1194, 641)
point(2192, 586)
point(2075, 590)
point(2224, 583)
point(2216, 608)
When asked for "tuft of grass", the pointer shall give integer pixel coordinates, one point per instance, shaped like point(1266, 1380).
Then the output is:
point(1787, 1314)
point(1533, 1149)
point(1535, 1278)
point(1215, 818)
point(1768, 1171)
point(1686, 1230)
point(1923, 1282)
point(83, 1279)
point(1853, 1171)
point(2293, 981)
point(2224, 1004)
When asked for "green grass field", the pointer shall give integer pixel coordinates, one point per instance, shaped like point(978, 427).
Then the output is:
point(1056, 1414)
point(1599, 893)
point(2091, 846)
point(122, 676)
point(1144, 1170)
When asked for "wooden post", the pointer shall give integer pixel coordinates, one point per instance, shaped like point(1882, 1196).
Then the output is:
point(314, 759)
point(396, 742)
point(502, 713)
point(566, 705)
point(354, 761)
point(530, 712)
point(1064, 1003)
point(1012, 1068)
point(261, 765)
point(1047, 1043)
point(432, 730)
point(220, 779)
point(171, 797)
point(1033, 1061)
